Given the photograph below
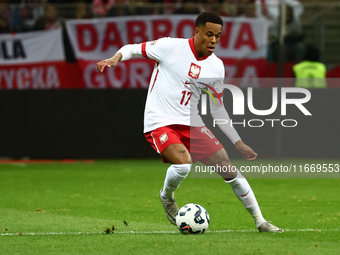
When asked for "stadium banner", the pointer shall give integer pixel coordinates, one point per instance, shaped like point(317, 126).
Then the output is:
point(241, 47)
point(33, 60)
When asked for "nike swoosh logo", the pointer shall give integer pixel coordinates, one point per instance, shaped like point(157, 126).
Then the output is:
point(187, 82)
point(217, 143)
point(245, 194)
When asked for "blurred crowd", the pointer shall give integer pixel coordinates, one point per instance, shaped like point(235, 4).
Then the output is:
point(32, 15)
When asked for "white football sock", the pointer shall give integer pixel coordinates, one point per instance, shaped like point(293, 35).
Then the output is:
point(246, 195)
point(174, 176)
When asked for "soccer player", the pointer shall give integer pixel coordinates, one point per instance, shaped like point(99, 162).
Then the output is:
point(168, 125)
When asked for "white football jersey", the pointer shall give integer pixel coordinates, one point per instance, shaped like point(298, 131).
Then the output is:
point(172, 97)
point(175, 85)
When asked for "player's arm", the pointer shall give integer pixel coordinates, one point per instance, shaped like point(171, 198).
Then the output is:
point(156, 50)
point(219, 112)
point(125, 53)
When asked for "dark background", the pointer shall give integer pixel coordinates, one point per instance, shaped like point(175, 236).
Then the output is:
point(100, 124)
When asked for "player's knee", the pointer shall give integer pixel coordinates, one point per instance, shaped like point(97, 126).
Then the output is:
point(230, 173)
point(181, 159)
point(224, 162)
point(177, 154)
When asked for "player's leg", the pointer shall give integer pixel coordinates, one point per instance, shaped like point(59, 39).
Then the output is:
point(179, 157)
point(221, 158)
point(167, 142)
point(238, 183)
point(242, 190)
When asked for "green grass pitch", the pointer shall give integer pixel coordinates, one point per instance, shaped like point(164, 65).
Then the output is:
point(65, 209)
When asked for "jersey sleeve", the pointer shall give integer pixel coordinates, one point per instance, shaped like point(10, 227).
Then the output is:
point(156, 50)
point(130, 50)
point(218, 111)
point(218, 90)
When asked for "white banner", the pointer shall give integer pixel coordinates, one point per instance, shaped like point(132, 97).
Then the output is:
point(32, 47)
point(100, 38)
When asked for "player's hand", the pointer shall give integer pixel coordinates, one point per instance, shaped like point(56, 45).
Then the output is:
point(248, 152)
point(109, 62)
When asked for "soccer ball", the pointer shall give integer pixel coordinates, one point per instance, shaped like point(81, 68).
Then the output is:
point(192, 219)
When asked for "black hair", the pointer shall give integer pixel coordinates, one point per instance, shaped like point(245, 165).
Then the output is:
point(312, 53)
point(205, 17)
